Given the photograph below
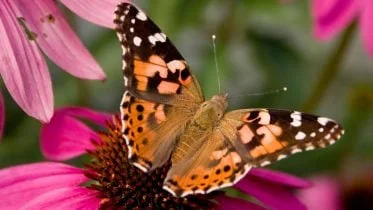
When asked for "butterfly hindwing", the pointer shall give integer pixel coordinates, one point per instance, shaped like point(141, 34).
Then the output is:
point(214, 164)
point(269, 135)
point(161, 94)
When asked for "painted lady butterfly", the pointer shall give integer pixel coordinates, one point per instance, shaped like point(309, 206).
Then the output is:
point(165, 116)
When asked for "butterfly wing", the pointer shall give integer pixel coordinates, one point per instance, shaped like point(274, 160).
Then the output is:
point(161, 94)
point(269, 135)
point(214, 164)
point(244, 139)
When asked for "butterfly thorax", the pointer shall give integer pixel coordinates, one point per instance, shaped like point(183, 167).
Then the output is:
point(210, 112)
point(206, 119)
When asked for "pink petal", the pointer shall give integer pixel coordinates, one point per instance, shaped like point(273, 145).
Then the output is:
point(99, 118)
point(22, 67)
point(270, 194)
point(366, 25)
point(66, 198)
point(2, 115)
point(22, 183)
point(99, 11)
point(66, 137)
point(323, 196)
point(226, 202)
point(332, 16)
point(58, 40)
point(278, 177)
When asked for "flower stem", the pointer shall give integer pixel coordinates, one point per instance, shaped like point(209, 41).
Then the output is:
point(330, 69)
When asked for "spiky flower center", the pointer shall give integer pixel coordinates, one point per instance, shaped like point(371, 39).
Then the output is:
point(123, 186)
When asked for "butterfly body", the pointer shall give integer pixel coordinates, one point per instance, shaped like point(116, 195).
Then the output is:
point(203, 123)
point(166, 117)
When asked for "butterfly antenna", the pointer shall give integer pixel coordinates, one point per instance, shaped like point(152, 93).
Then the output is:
point(283, 89)
point(216, 60)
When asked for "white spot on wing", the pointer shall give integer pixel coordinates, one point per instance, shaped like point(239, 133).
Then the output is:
point(141, 16)
point(137, 41)
point(296, 150)
point(152, 40)
point(169, 190)
point(300, 135)
point(159, 37)
point(142, 168)
point(280, 157)
point(323, 120)
point(296, 123)
point(310, 147)
point(313, 134)
point(265, 163)
point(296, 116)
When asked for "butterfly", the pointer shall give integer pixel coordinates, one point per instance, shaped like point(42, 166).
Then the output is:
point(165, 117)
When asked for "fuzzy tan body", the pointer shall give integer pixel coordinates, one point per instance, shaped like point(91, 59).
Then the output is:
point(206, 119)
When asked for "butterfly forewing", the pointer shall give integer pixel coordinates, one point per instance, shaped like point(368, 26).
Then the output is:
point(153, 68)
point(269, 135)
point(161, 95)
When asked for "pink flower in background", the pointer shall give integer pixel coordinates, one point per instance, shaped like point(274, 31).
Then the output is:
point(114, 182)
point(330, 17)
point(324, 195)
point(2, 115)
point(26, 26)
point(335, 193)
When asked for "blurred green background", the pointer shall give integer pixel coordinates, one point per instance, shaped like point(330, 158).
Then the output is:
point(262, 45)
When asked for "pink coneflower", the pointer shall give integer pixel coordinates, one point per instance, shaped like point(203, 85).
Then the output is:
point(332, 16)
point(109, 181)
point(29, 25)
point(336, 193)
point(2, 115)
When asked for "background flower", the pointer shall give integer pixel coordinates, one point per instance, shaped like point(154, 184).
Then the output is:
point(348, 191)
point(2, 115)
point(331, 17)
point(26, 26)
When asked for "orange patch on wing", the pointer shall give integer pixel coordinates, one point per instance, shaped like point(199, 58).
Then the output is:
point(167, 87)
point(258, 151)
point(149, 69)
point(276, 130)
point(265, 118)
point(160, 116)
point(235, 157)
point(246, 135)
point(142, 83)
point(219, 154)
point(269, 141)
point(157, 60)
point(284, 143)
point(245, 117)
